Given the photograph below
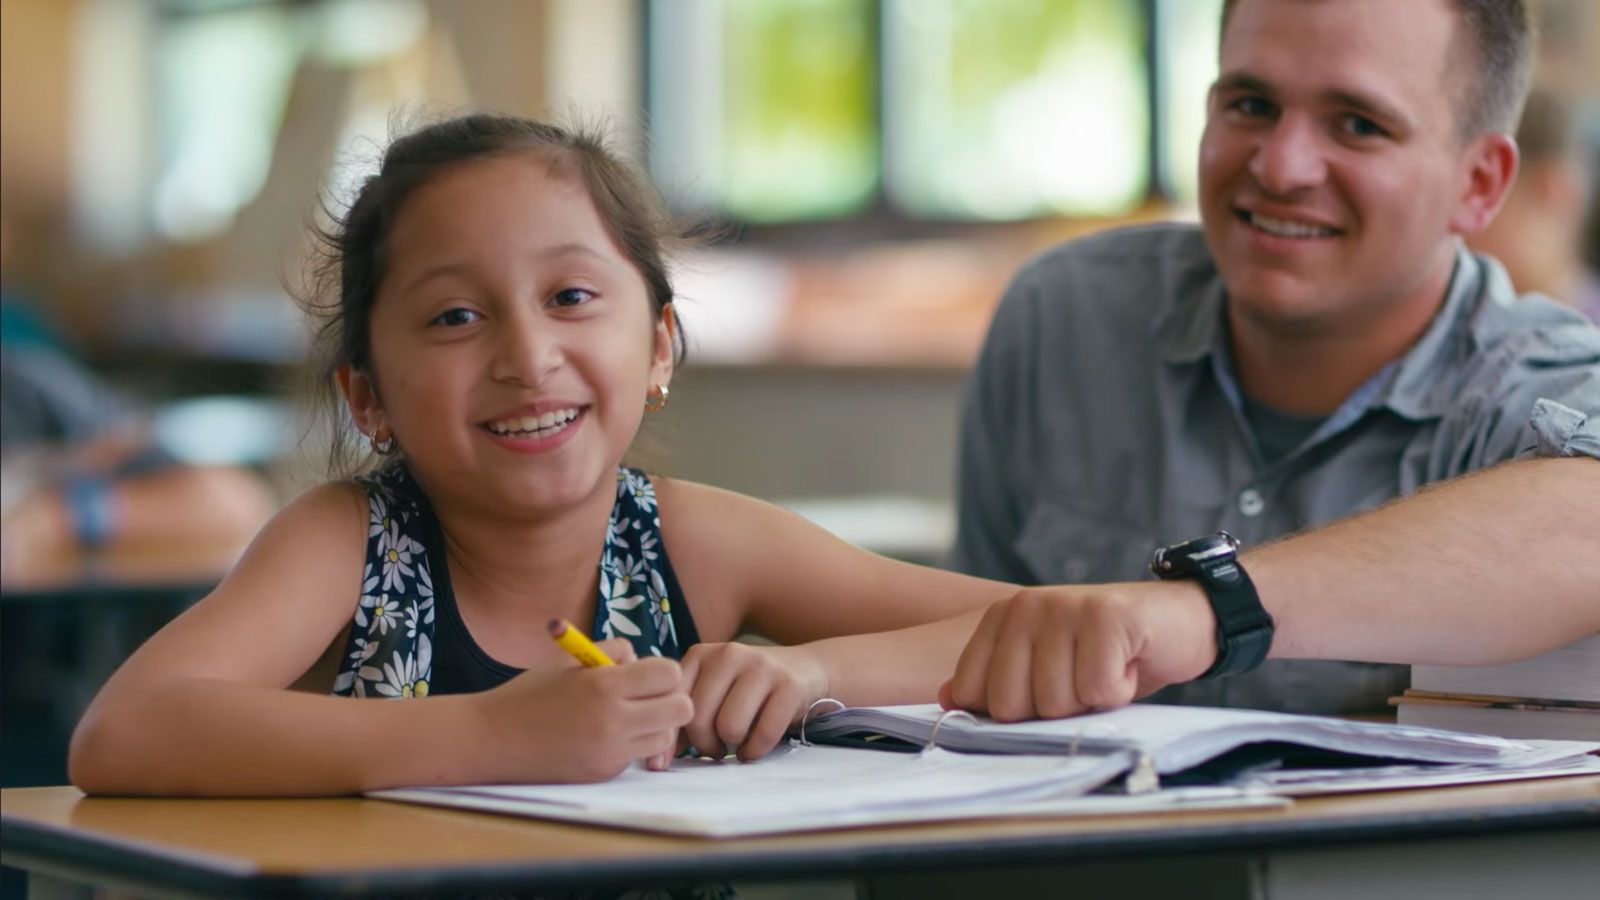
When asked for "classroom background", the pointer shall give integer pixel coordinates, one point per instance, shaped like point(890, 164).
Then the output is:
point(863, 176)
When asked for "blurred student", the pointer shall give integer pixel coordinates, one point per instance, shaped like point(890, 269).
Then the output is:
point(81, 474)
point(1539, 234)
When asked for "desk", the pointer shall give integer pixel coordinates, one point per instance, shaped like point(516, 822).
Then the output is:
point(1528, 839)
point(67, 623)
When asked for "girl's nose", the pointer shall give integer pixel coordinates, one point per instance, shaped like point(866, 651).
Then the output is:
point(526, 354)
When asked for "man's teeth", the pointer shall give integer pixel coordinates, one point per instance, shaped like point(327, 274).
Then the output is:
point(535, 425)
point(1286, 228)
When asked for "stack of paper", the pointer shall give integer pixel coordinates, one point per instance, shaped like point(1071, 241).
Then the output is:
point(981, 768)
point(1553, 695)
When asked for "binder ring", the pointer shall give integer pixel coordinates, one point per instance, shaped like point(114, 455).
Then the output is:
point(804, 742)
point(1106, 730)
point(933, 736)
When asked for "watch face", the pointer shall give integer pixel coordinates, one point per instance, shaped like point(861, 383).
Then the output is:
point(1186, 558)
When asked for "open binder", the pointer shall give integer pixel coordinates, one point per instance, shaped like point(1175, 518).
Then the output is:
point(1148, 757)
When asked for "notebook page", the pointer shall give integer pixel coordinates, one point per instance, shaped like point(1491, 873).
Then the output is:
point(811, 787)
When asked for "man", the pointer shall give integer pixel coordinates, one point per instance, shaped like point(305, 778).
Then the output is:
point(1322, 345)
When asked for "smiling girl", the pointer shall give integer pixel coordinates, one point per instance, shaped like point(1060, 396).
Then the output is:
point(500, 323)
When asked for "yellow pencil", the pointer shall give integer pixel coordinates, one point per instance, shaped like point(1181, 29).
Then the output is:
point(573, 641)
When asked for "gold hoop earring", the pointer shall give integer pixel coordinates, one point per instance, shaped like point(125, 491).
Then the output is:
point(656, 399)
point(383, 446)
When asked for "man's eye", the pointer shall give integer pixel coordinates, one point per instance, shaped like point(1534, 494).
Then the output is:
point(1254, 107)
point(455, 316)
point(1361, 126)
point(572, 297)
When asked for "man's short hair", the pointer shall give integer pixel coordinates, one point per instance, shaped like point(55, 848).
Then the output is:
point(1500, 33)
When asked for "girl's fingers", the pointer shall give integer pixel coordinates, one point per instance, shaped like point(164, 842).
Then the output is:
point(619, 649)
point(740, 707)
point(777, 714)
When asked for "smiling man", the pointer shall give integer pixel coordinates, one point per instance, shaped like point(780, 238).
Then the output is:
point(1323, 344)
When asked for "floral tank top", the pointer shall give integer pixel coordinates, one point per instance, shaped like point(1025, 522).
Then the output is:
point(405, 592)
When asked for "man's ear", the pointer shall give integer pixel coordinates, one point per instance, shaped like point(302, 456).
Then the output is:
point(362, 397)
point(666, 337)
point(1491, 169)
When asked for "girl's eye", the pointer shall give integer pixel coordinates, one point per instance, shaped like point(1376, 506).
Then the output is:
point(572, 297)
point(455, 316)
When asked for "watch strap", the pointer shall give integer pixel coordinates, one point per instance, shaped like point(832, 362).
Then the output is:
point(1244, 627)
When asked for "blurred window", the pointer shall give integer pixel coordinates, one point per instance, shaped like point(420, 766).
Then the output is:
point(224, 71)
point(969, 110)
point(765, 110)
point(1005, 109)
point(1186, 64)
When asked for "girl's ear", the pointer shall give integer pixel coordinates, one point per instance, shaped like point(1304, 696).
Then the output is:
point(666, 337)
point(362, 396)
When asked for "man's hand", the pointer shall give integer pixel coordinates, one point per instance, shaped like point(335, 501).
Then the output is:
point(1056, 651)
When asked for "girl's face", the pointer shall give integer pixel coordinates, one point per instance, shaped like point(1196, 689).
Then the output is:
point(512, 342)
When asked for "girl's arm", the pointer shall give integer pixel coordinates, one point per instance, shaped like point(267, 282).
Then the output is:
point(863, 629)
point(204, 706)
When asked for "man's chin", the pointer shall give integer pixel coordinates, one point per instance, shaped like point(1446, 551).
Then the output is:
point(1279, 305)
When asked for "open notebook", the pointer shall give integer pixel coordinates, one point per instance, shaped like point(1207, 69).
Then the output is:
point(1031, 768)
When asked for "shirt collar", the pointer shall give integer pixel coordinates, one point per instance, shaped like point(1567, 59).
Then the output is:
point(1410, 386)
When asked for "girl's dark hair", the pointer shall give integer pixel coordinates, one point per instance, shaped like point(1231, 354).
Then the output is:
point(350, 255)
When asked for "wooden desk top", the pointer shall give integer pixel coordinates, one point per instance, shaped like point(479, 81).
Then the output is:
point(351, 846)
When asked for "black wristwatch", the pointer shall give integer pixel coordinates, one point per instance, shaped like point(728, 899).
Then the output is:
point(1244, 627)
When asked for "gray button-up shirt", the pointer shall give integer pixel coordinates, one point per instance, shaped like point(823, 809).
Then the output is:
point(1103, 419)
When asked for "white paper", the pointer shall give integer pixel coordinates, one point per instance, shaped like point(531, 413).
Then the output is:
point(798, 788)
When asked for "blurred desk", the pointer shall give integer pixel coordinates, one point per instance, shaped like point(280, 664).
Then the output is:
point(131, 576)
point(1531, 840)
point(913, 529)
point(66, 624)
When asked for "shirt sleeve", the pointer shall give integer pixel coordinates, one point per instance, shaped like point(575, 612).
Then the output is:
point(1535, 396)
point(988, 512)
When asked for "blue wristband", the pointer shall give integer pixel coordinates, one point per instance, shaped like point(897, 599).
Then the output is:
point(89, 501)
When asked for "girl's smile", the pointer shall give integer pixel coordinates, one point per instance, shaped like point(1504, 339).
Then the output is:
point(530, 430)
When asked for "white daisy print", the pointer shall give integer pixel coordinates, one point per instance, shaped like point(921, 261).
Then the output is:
point(644, 493)
point(369, 587)
point(382, 610)
point(397, 560)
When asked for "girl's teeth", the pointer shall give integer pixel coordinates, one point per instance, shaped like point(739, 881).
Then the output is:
point(533, 424)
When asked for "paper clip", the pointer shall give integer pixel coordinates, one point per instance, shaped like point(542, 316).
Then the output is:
point(804, 742)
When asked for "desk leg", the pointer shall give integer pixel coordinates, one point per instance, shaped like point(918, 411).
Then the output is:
point(1556, 865)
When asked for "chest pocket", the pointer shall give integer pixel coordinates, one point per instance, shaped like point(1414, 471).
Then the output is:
point(1067, 546)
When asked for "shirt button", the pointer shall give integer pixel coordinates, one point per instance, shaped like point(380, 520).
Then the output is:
point(1074, 570)
point(1251, 503)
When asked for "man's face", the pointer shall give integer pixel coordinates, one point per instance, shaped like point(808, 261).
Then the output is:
point(1331, 168)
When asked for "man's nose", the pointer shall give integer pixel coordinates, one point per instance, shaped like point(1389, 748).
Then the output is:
point(1289, 157)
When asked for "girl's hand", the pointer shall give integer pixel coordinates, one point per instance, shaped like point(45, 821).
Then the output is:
point(746, 697)
point(567, 723)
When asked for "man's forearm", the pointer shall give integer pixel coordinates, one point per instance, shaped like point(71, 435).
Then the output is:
point(1494, 566)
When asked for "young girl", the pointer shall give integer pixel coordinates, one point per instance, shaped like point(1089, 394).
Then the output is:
point(503, 322)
